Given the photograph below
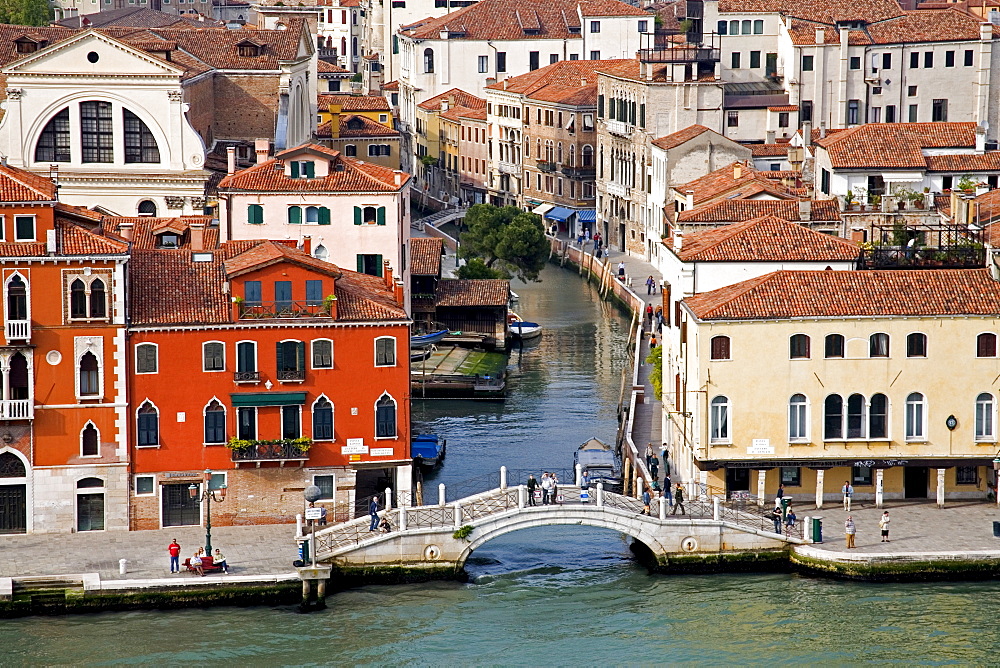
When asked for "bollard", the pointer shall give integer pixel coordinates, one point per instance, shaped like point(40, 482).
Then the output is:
point(458, 516)
point(122, 563)
point(600, 495)
point(716, 508)
point(809, 530)
point(663, 507)
point(579, 475)
point(388, 499)
point(298, 524)
point(441, 495)
point(402, 518)
point(638, 487)
point(522, 496)
point(503, 477)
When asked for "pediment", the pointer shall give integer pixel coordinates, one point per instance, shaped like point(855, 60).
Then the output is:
point(92, 53)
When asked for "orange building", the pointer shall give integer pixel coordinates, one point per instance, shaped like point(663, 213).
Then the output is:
point(271, 368)
point(63, 460)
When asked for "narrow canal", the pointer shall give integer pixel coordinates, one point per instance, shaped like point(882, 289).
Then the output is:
point(555, 596)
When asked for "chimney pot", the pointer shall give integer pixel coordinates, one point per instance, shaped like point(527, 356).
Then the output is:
point(230, 160)
point(806, 133)
point(805, 210)
point(197, 236)
point(769, 137)
point(737, 171)
point(261, 147)
point(678, 241)
point(307, 244)
point(397, 177)
point(125, 230)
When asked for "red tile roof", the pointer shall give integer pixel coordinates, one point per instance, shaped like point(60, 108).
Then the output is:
point(455, 97)
point(362, 297)
point(324, 67)
point(572, 82)
point(392, 86)
point(353, 102)
point(894, 145)
point(18, 185)
point(356, 176)
point(268, 253)
point(852, 294)
point(765, 239)
point(473, 292)
point(723, 182)
point(675, 139)
point(983, 162)
point(768, 150)
point(737, 210)
point(425, 256)
point(353, 125)
point(784, 107)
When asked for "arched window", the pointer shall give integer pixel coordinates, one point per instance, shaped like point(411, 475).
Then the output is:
point(11, 466)
point(148, 424)
point(369, 215)
point(320, 252)
point(572, 155)
point(428, 61)
point(986, 345)
point(350, 150)
point(798, 346)
point(77, 299)
point(89, 483)
point(147, 207)
point(719, 420)
point(834, 346)
point(246, 360)
point(17, 302)
point(587, 156)
point(18, 376)
point(312, 214)
point(916, 345)
point(878, 345)
point(878, 417)
point(385, 351)
point(720, 348)
point(215, 422)
point(53, 143)
point(798, 425)
point(856, 416)
point(322, 417)
point(916, 414)
point(140, 145)
point(89, 441)
point(89, 383)
point(98, 299)
point(985, 408)
point(833, 417)
point(385, 417)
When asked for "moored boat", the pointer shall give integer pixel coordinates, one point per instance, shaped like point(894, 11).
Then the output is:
point(524, 330)
point(428, 450)
point(424, 340)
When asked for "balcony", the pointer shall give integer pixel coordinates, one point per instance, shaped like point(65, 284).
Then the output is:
point(18, 330)
point(618, 190)
point(949, 257)
point(270, 451)
point(546, 166)
point(282, 309)
point(620, 128)
point(16, 409)
point(246, 376)
point(291, 375)
point(579, 172)
point(509, 168)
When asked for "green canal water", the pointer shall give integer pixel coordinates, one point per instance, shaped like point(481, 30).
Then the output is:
point(559, 596)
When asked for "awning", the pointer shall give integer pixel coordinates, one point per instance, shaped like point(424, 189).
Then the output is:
point(897, 177)
point(542, 209)
point(268, 398)
point(587, 215)
point(560, 214)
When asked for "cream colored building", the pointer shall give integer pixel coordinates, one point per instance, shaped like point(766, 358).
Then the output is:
point(886, 379)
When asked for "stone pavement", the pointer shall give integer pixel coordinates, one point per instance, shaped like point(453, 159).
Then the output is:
point(249, 550)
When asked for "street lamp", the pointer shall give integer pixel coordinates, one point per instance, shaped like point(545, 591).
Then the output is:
point(207, 496)
point(312, 494)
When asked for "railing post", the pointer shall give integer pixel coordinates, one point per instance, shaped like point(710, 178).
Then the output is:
point(638, 487)
point(298, 524)
point(441, 495)
point(458, 515)
point(503, 477)
point(388, 499)
point(600, 495)
point(663, 507)
point(579, 475)
point(402, 517)
point(716, 508)
point(522, 496)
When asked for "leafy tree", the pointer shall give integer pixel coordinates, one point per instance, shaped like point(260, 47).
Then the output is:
point(506, 240)
point(25, 12)
point(476, 268)
point(655, 357)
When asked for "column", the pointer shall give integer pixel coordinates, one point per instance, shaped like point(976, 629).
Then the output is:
point(404, 485)
point(503, 477)
point(879, 473)
point(820, 474)
point(940, 487)
point(441, 495)
point(761, 480)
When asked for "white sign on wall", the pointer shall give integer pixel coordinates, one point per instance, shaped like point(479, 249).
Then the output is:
point(355, 446)
point(760, 446)
point(381, 452)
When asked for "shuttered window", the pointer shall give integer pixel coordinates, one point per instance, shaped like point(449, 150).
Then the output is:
point(255, 214)
point(294, 215)
point(145, 358)
point(214, 356)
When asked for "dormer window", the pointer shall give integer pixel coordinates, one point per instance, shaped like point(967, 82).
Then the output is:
point(303, 169)
point(248, 49)
point(26, 45)
point(168, 240)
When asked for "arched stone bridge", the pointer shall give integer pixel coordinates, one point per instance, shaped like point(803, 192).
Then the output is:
point(424, 542)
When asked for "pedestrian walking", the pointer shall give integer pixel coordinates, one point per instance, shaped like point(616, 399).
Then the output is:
point(666, 462)
point(586, 233)
point(597, 242)
point(646, 500)
point(555, 488)
point(546, 489)
point(650, 286)
point(781, 491)
point(883, 524)
point(776, 518)
point(668, 490)
point(654, 468)
point(649, 315)
point(174, 549)
point(649, 456)
point(653, 342)
point(621, 271)
point(849, 531)
point(848, 491)
point(678, 500)
point(373, 511)
point(532, 486)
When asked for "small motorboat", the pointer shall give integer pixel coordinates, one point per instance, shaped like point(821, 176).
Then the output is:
point(420, 354)
point(430, 338)
point(524, 330)
point(428, 450)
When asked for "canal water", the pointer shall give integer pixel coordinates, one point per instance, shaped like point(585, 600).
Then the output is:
point(565, 596)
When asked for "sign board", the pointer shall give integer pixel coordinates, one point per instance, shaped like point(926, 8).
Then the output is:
point(353, 448)
point(760, 446)
point(355, 441)
point(314, 513)
point(380, 452)
point(355, 458)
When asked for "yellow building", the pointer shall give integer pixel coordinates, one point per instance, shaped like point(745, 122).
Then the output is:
point(886, 379)
point(374, 107)
point(436, 143)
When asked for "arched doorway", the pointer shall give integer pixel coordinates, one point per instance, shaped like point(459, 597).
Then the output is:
point(13, 494)
point(90, 504)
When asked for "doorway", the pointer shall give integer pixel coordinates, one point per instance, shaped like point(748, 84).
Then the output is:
point(13, 509)
point(90, 512)
point(915, 482)
point(737, 480)
point(179, 509)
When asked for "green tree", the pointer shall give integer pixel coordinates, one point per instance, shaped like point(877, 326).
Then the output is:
point(25, 12)
point(655, 357)
point(506, 240)
point(476, 268)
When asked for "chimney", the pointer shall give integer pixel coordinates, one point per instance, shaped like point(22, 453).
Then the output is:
point(230, 160)
point(980, 141)
point(387, 273)
point(50, 242)
point(822, 129)
point(445, 105)
point(261, 147)
point(197, 236)
point(400, 293)
point(307, 245)
point(3, 160)
point(505, 84)
point(769, 137)
point(807, 128)
point(678, 241)
point(820, 36)
point(583, 82)
point(805, 210)
point(397, 177)
point(54, 172)
point(689, 196)
point(125, 230)
point(737, 171)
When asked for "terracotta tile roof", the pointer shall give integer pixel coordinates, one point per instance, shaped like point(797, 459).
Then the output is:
point(847, 294)
point(765, 239)
point(456, 97)
point(144, 237)
point(768, 150)
point(18, 185)
point(572, 82)
point(75, 239)
point(324, 67)
point(141, 17)
point(675, 139)
point(167, 287)
point(392, 86)
point(817, 11)
point(425, 256)
point(364, 297)
point(780, 174)
point(268, 253)
point(987, 211)
point(784, 107)
point(473, 292)
point(354, 102)
point(723, 183)
point(471, 114)
point(894, 145)
point(983, 162)
point(325, 130)
point(357, 176)
point(737, 210)
point(506, 19)
point(362, 126)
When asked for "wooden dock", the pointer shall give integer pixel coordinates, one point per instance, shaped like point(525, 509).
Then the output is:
point(454, 372)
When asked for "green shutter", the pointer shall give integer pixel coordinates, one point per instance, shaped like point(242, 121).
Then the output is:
point(310, 170)
point(395, 44)
point(255, 214)
point(380, 215)
point(300, 356)
point(600, 106)
point(279, 356)
point(295, 169)
point(324, 216)
point(357, 215)
point(361, 261)
point(294, 215)
point(642, 115)
point(378, 265)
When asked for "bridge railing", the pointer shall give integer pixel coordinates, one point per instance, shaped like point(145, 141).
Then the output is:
point(487, 504)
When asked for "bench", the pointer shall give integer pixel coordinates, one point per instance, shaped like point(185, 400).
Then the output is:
point(207, 565)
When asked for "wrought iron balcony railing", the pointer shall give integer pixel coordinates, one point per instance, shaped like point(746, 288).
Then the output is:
point(246, 376)
point(284, 309)
point(291, 375)
point(269, 452)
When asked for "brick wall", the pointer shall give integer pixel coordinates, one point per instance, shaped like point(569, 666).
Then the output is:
point(201, 96)
point(245, 105)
